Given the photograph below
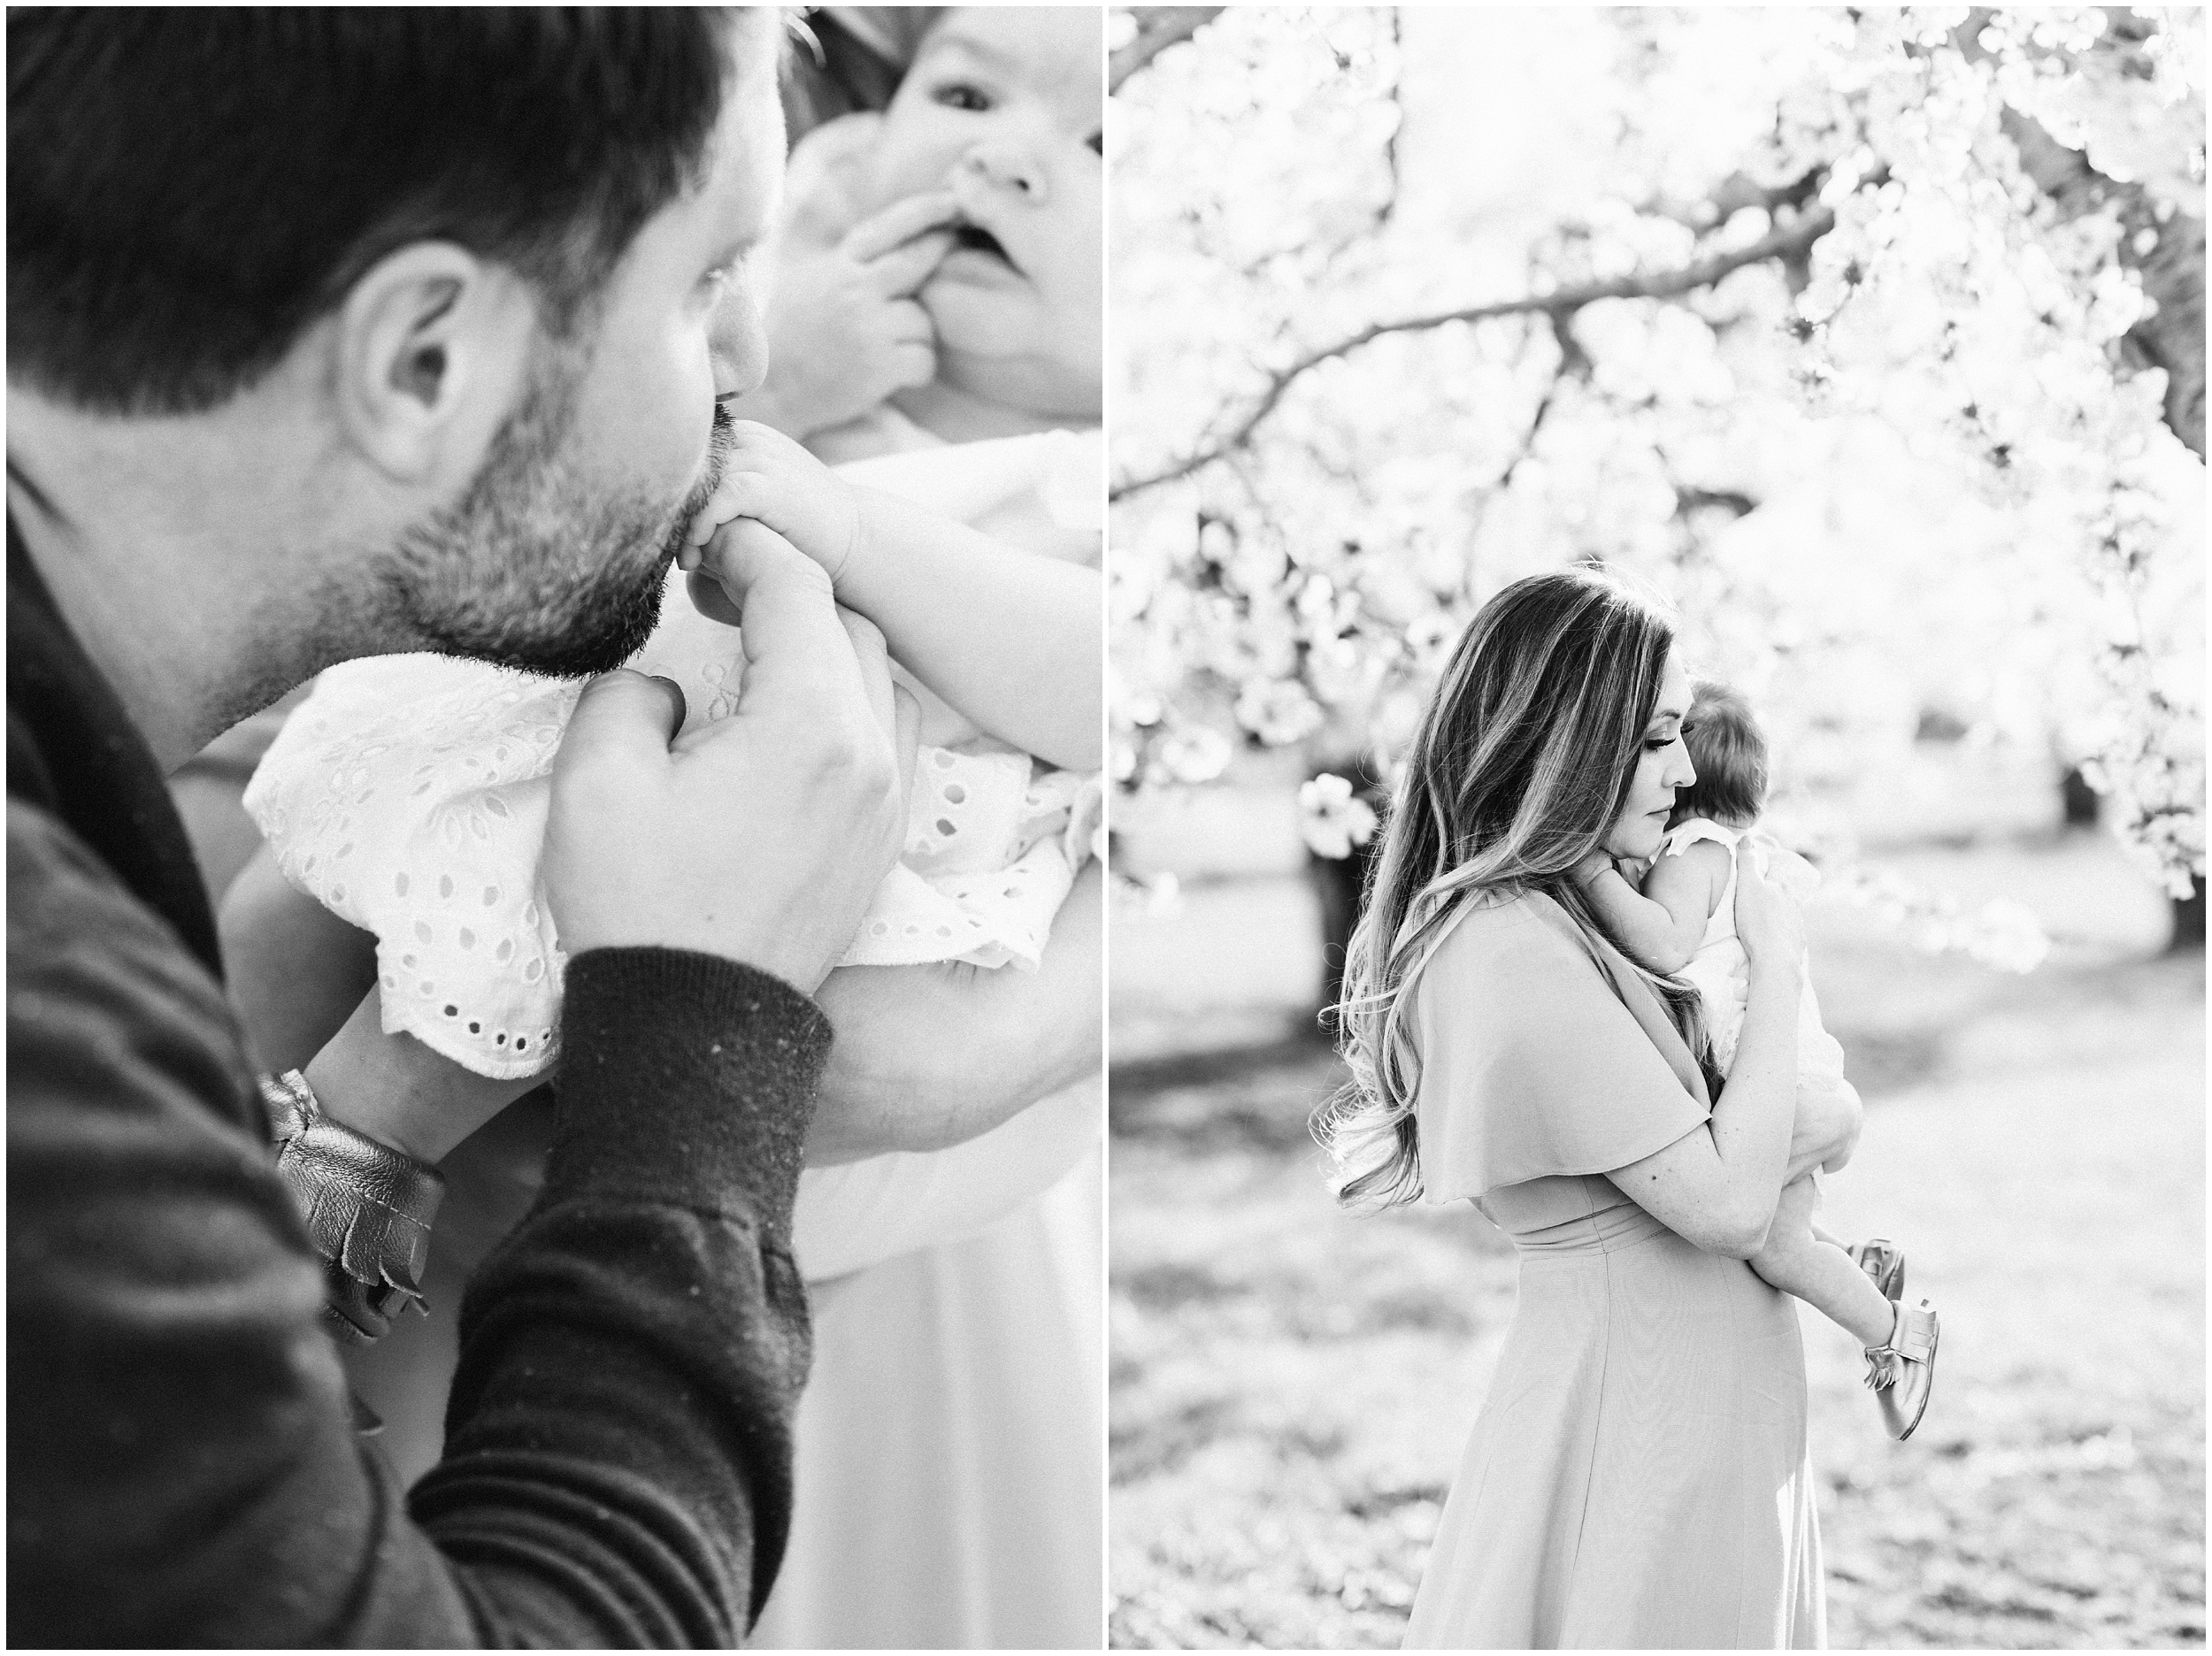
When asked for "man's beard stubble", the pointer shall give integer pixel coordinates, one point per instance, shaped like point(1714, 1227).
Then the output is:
point(530, 570)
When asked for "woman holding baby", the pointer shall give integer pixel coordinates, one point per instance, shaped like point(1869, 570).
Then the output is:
point(1639, 1475)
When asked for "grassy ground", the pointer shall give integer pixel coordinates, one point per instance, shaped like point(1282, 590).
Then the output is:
point(1293, 1387)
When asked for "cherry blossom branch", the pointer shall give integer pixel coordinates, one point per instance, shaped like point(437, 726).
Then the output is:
point(1789, 240)
point(1574, 363)
point(1735, 193)
point(1158, 28)
point(2167, 250)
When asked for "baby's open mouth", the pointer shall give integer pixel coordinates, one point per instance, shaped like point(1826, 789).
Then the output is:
point(975, 238)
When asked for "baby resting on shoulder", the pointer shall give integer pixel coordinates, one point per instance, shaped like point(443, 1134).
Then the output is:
point(1682, 921)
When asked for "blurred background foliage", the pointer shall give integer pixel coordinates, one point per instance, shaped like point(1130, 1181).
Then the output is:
point(1874, 340)
point(1810, 318)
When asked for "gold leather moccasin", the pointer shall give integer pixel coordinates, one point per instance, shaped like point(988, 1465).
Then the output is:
point(1902, 1373)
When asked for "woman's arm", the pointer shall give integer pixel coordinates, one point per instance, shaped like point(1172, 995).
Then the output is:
point(1716, 1186)
point(926, 1058)
point(862, 1213)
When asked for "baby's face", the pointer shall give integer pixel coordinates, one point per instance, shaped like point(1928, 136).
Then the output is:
point(1001, 106)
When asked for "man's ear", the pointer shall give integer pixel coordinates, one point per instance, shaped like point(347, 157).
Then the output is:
point(433, 343)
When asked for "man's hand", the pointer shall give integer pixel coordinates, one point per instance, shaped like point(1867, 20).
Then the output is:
point(844, 326)
point(760, 837)
point(769, 479)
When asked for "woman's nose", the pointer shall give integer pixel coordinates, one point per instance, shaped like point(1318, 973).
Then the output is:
point(1684, 774)
point(1006, 165)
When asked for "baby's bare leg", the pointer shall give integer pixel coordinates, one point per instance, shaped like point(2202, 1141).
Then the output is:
point(304, 984)
point(296, 972)
point(1821, 1273)
point(397, 1091)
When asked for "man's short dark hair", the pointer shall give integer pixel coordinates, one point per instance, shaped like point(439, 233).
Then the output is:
point(1729, 752)
point(189, 190)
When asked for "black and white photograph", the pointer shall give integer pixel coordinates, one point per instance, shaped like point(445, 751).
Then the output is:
point(1656, 1044)
point(539, 1115)
point(1074, 826)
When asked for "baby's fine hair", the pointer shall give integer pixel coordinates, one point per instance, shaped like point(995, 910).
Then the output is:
point(1730, 753)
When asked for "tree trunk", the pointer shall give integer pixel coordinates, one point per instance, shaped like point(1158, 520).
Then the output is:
point(2188, 937)
point(1339, 882)
point(2078, 800)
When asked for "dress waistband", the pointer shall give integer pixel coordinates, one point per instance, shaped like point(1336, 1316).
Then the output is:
point(1608, 1231)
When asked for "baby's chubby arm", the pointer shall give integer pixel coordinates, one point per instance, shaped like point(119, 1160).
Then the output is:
point(1012, 640)
point(1662, 925)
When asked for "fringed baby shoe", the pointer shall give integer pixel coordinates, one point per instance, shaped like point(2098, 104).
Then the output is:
point(1902, 1373)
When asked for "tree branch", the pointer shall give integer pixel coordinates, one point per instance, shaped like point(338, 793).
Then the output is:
point(1158, 28)
point(1735, 193)
point(1573, 363)
point(1790, 239)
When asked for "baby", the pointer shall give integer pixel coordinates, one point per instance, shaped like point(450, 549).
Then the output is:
point(1683, 922)
point(993, 139)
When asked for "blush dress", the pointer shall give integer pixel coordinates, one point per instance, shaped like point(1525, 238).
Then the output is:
point(1638, 1477)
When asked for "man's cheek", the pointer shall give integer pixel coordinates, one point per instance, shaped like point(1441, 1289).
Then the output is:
point(674, 426)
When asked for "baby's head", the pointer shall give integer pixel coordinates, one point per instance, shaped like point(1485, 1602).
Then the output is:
point(1001, 106)
point(1730, 753)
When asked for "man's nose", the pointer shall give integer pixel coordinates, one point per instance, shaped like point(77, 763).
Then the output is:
point(738, 341)
point(1006, 164)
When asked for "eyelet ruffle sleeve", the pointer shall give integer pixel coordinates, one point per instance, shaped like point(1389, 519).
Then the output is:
point(1532, 1064)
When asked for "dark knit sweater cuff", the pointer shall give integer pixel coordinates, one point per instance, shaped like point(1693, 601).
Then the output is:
point(685, 1078)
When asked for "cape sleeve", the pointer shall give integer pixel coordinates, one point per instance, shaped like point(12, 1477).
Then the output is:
point(1532, 1065)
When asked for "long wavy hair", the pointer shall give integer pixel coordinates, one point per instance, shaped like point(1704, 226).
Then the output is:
point(1522, 761)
